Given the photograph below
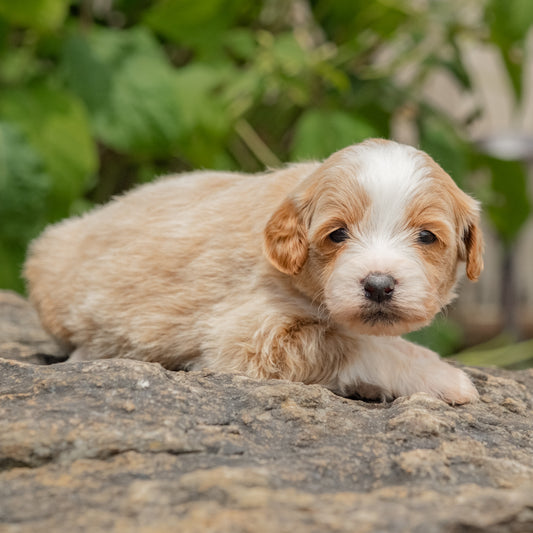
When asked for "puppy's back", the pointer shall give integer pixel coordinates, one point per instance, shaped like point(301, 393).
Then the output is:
point(149, 263)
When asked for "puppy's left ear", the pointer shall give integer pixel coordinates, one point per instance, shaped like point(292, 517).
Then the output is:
point(286, 245)
point(472, 240)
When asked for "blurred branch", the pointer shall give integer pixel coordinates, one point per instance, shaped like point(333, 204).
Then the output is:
point(256, 145)
point(86, 14)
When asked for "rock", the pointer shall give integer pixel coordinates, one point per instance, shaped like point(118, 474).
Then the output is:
point(21, 335)
point(118, 445)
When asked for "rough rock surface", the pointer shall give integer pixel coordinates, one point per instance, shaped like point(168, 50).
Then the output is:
point(21, 335)
point(121, 445)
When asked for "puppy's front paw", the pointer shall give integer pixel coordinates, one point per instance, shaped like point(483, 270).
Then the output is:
point(461, 390)
point(452, 385)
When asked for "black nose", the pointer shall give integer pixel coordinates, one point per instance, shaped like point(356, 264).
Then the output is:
point(378, 287)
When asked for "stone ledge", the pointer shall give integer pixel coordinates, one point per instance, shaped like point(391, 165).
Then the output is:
point(119, 445)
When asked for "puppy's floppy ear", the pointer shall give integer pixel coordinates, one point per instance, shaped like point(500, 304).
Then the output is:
point(472, 239)
point(285, 242)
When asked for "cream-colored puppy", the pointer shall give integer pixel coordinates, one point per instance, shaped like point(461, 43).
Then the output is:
point(308, 273)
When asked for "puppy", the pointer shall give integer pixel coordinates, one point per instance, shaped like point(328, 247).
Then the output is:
point(309, 273)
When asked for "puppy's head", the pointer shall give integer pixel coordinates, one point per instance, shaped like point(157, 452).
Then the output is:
point(379, 235)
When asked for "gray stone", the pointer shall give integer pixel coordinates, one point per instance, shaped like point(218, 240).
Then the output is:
point(119, 445)
point(21, 335)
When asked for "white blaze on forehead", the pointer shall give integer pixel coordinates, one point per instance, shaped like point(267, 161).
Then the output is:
point(391, 174)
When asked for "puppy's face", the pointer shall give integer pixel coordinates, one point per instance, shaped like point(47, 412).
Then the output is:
point(378, 235)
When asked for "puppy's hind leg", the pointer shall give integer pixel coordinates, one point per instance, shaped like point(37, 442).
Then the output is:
point(58, 354)
point(79, 354)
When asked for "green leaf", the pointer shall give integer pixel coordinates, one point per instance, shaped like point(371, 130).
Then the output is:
point(130, 89)
point(346, 20)
point(454, 65)
point(509, 24)
point(288, 54)
point(320, 132)
point(508, 206)
point(512, 356)
point(38, 14)
point(439, 138)
point(196, 86)
point(241, 43)
point(442, 336)
point(56, 125)
point(509, 21)
point(197, 24)
point(11, 260)
point(18, 65)
point(206, 115)
point(514, 70)
point(24, 187)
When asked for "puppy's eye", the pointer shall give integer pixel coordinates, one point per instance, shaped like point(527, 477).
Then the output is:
point(426, 237)
point(339, 235)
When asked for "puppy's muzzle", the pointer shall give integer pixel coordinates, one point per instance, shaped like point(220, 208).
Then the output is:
point(378, 287)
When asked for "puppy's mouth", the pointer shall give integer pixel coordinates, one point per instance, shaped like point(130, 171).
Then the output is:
point(387, 319)
point(380, 317)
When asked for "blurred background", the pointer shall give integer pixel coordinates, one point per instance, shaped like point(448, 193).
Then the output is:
point(99, 95)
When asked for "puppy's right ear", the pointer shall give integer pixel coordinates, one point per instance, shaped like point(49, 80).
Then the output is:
point(286, 244)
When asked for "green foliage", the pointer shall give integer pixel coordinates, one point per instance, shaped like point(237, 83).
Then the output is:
point(509, 23)
point(439, 138)
point(129, 88)
point(320, 132)
point(36, 14)
point(199, 25)
point(443, 336)
point(24, 189)
point(55, 124)
point(98, 96)
point(507, 203)
point(499, 352)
